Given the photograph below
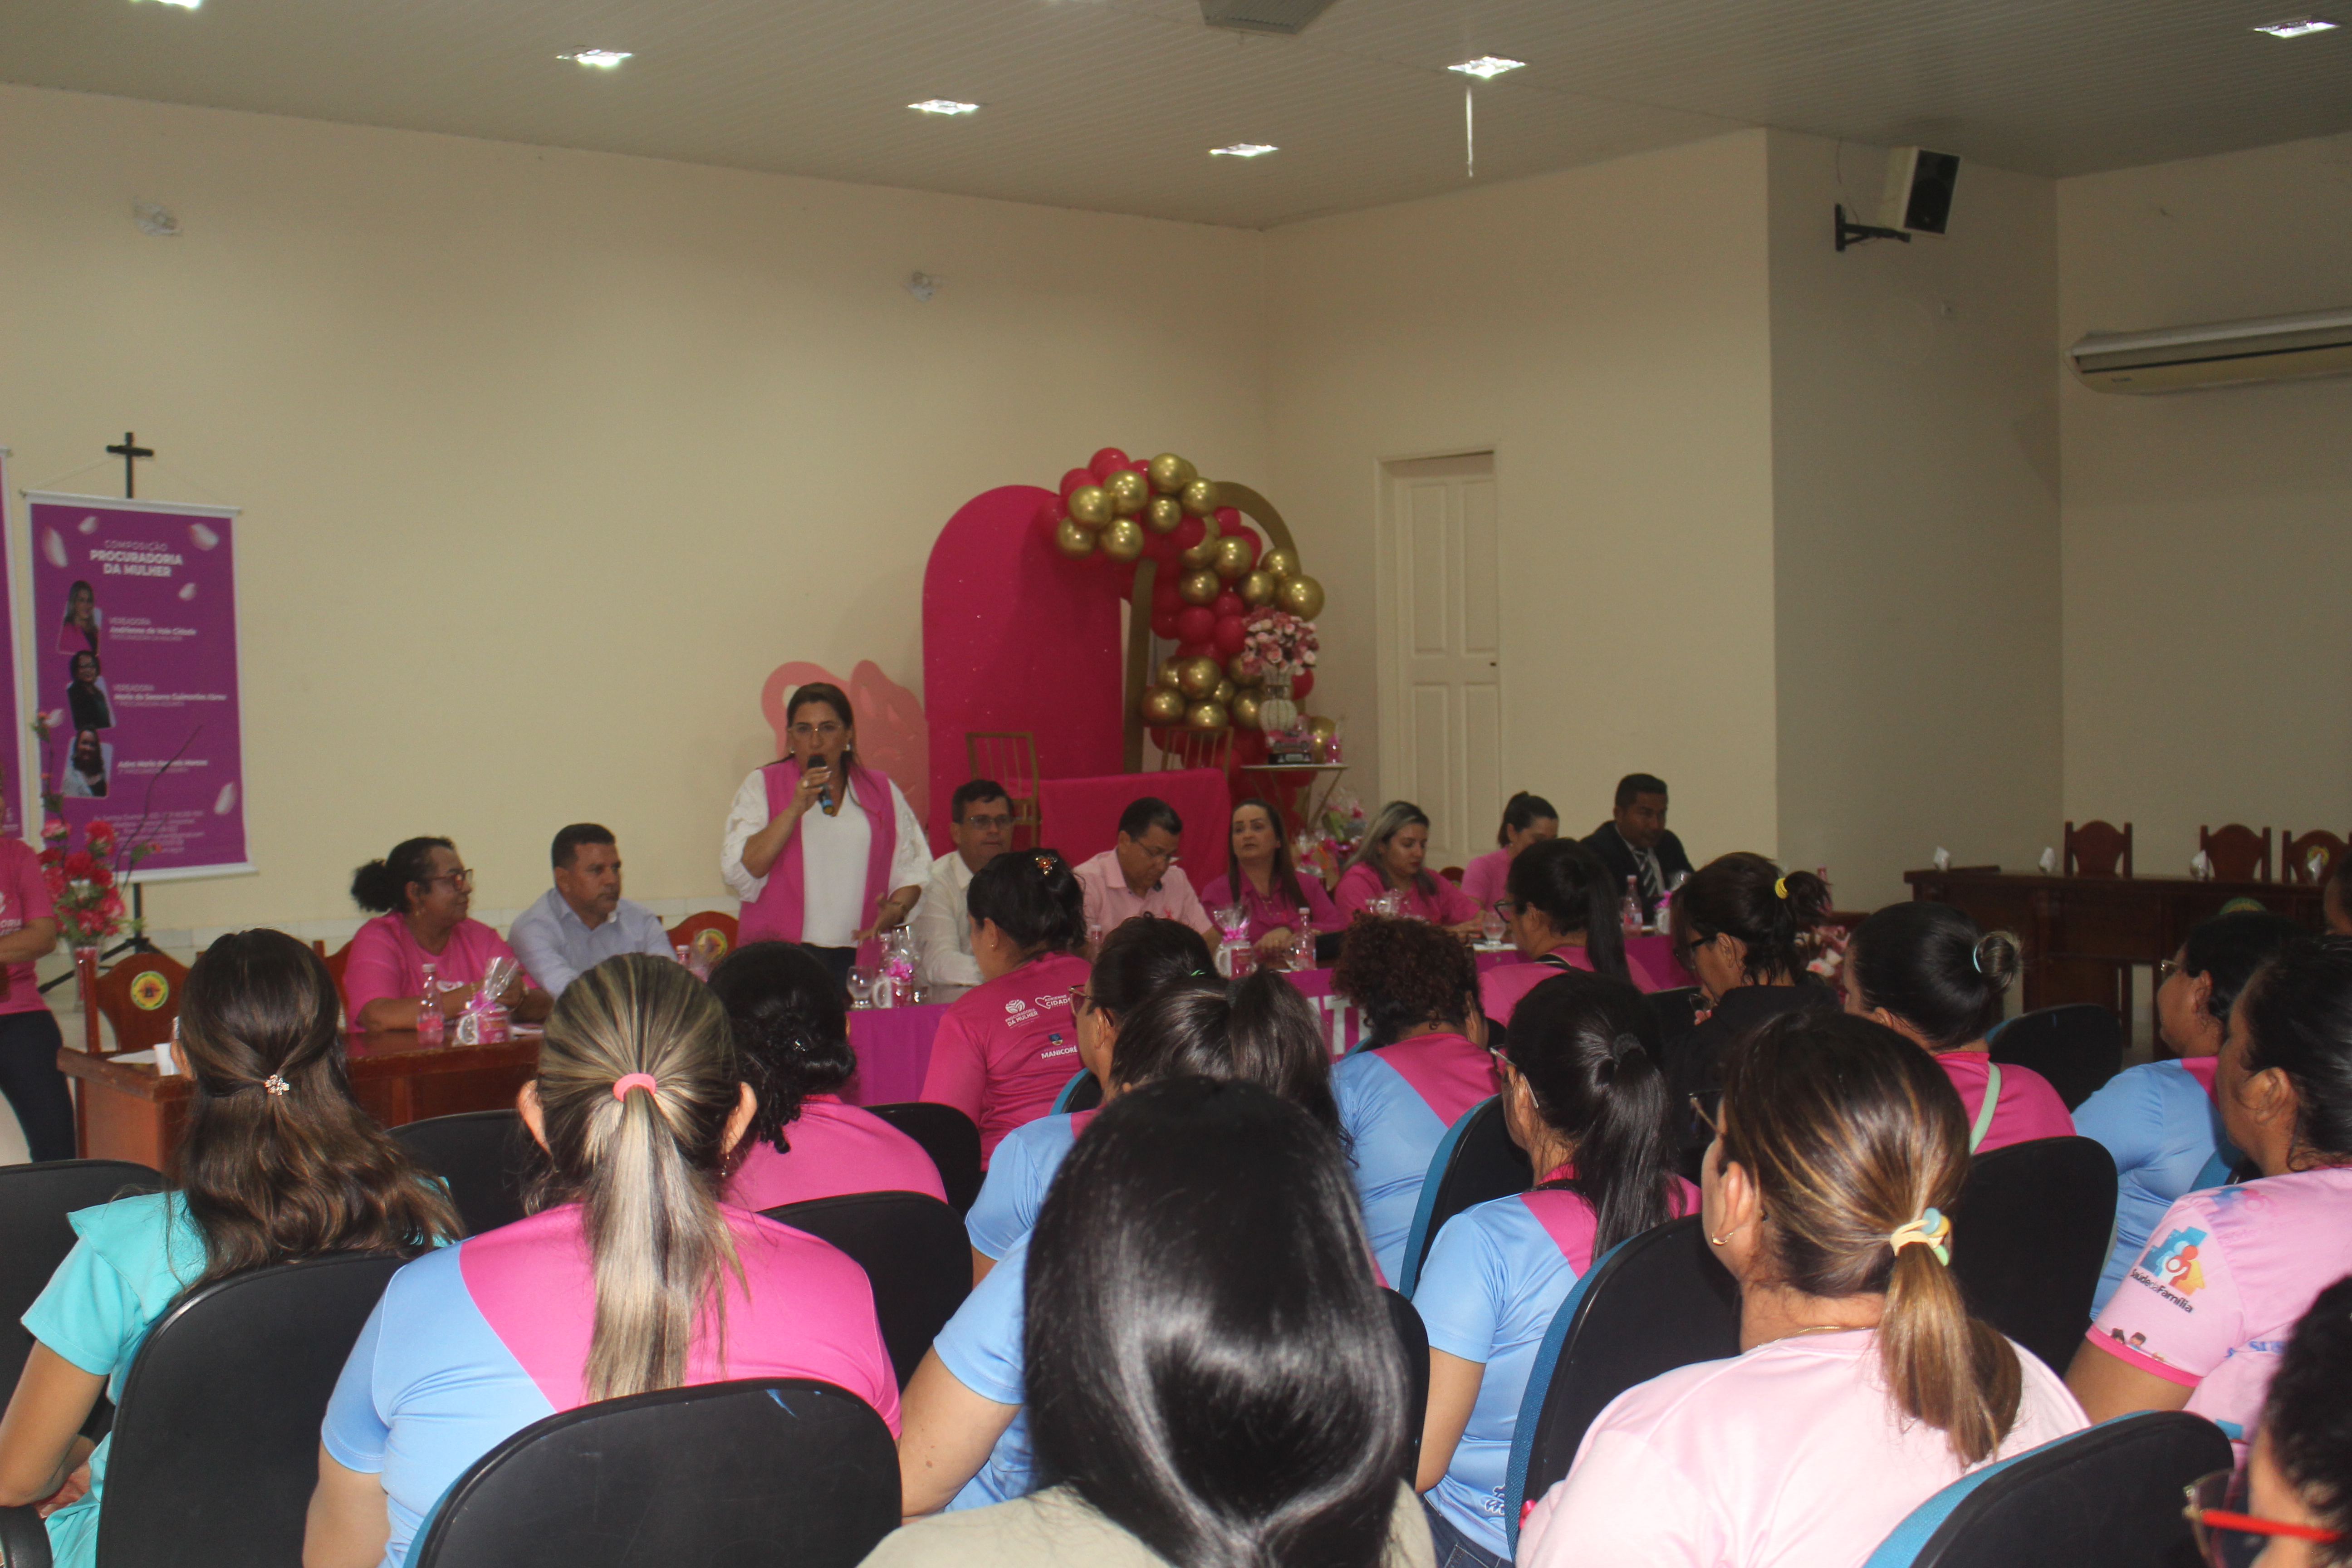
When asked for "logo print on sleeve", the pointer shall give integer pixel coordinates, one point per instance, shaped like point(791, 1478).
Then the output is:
point(2173, 1267)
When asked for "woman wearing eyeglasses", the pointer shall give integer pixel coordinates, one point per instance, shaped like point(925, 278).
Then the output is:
point(1562, 915)
point(2290, 1506)
point(2199, 1321)
point(1863, 1386)
point(808, 866)
point(424, 891)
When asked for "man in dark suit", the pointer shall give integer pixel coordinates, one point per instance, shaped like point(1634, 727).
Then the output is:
point(1634, 841)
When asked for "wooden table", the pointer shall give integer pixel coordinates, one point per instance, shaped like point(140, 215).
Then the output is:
point(128, 1111)
point(2083, 935)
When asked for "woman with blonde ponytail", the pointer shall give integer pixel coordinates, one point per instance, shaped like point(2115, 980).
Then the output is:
point(631, 1276)
point(1863, 1386)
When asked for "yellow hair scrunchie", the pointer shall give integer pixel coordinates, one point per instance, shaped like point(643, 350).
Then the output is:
point(1781, 888)
point(1930, 1230)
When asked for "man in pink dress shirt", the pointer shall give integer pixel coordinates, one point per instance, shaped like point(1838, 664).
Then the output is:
point(1139, 875)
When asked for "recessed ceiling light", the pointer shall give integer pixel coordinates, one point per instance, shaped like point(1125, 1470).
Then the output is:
point(943, 106)
point(603, 59)
point(1244, 149)
point(1486, 67)
point(2298, 28)
point(185, 4)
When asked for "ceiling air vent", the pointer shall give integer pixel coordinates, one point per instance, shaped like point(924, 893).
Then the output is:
point(1286, 17)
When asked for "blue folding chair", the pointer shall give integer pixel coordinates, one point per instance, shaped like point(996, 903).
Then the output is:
point(1474, 1162)
point(1083, 1092)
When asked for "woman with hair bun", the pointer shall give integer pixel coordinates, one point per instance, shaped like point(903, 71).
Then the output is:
point(631, 1276)
point(1005, 1048)
point(2199, 1321)
point(276, 1164)
point(1927, 973)
point(1863, 1386)
point(423, 892)
point(1583, 1096)
point(792, 1037)
point(1528, 820)
point(1563, 916)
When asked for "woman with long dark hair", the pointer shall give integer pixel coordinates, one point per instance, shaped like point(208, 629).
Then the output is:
point(1389, 860)
point(1528, 820)
point(1195, 1406)
point(422, 891)
point(631, 1276)
point(276, 1164)
point(1863, 1386)
point(1561, 915)
point(1736, 925)
point(1260, 878)
point(807, 869)
point(791, 1040)
point(1582, 1094)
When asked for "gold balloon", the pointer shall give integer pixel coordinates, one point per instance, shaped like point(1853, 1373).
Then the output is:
point(1200, 498)
point(1201, 556)
point(1209, 715)
point(1237, 670)
point(1302, 597)
point(1171, 473)
point(1167, 669)
point(1198, 586)
point(1073, 541)
point(1164, 513)
point(1256, 588)
point(1129, 491)
point(1278, 564)
point(1243, 709)
point(1162, 705)
point(1322, 728)
point(1233, 558)
point(1122, 540)
point(1225, 691)
point(1197, 677)
point(1090, 505)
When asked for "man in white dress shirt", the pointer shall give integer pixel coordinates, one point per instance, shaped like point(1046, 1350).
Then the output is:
point(980, 824)
point(583, 920)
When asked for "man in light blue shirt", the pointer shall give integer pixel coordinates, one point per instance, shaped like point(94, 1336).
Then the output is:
point(583, 920)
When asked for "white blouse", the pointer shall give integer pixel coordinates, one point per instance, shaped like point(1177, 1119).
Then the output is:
point(833, 861)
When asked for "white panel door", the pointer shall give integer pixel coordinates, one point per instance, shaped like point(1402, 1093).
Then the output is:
point(1445, 666)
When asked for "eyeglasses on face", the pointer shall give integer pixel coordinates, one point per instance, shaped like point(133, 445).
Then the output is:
point(985, 820)
point(1710, 1115)
point(1081, 998)
point(2228, 1536)
point(2166, 968)
point(461, 879)
point(1158, 857)
point(825, 731)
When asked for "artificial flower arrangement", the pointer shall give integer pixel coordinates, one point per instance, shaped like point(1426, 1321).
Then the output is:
point(82, 882)
point(1280, 642)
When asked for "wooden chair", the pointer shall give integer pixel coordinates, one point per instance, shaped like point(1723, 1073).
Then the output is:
point(1198, 748)
point(140, 996)
point(710, 934)
point(1452, 874)
point(2238, 853)
point(2098, 849)
point(337, 962)
point(1010, 757)
point(2294, 855)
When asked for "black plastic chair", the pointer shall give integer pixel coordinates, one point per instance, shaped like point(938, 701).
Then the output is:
point(35, 1236)
point(1083, 1092)
point(486, 1157)
point(2077, 1048)
point(914, 1251)
point(950, 1139)
point(2107, 1497)
point(2030, 1234)
point(1647, 1306)
point(771, 1470)
point(1413, 1334)
point(1474, 1162)
point(215, 1448)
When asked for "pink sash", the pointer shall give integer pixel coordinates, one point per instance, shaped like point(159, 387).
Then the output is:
point(775, 914)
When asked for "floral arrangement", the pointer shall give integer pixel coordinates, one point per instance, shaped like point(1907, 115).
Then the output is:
point(1323, 845)
point(88, 906)
point(1280, 642)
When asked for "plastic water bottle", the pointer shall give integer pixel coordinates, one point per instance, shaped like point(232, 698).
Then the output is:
point(1629, 910)
point(428, 1017)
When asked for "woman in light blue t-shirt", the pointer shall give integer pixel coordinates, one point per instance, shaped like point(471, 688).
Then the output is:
point(260, 1029)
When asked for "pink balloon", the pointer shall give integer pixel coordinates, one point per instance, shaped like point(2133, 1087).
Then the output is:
point(1074, 479)
point(1105, 463)
point(1195, 624)
point(1302, 683)
point(1228, 520)
point(1228, 605)
point(1164, 596)
point(1160, 547)
point(1163, 624)
point(1195, 649)
point(1249, 747)
point(1230, 635)
point(1189, 532)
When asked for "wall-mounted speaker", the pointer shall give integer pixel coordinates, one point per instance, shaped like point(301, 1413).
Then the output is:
point(1919, 189)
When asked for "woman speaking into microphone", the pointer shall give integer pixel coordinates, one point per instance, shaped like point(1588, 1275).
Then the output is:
point(823, 850)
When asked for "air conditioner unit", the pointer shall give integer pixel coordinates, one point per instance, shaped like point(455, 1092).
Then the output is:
point(2221, 354)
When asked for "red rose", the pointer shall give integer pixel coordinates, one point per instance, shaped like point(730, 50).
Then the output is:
point(80, 867)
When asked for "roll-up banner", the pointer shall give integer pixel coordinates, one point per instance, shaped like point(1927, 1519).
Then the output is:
point(133, 652)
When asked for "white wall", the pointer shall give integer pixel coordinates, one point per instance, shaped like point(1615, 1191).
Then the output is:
point(2208, 535)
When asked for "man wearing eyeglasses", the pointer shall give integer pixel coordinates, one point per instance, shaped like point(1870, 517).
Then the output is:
point(1139, 875)
point(979, 825)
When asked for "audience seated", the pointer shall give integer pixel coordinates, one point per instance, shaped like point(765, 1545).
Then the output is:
point(1736, 925)
point(979, 825)
point(791, 1041)
point(1563, 916)
point(1259, 876)
point(1528, 820)
point(1138, 875)
point(423, 892)
point(2198, 1323)
point(2291, 1504)
point(583, 920)
point(2158, 1118)
point(1138, 957)
point(1635, 844)
point(1193, 1405)
point(1924, 971)
point(967, 1444)
point(276, 1164)
point(1583, 1095)
point(1422, 1064)
point(1005, 1049)
point(639, 1278)
point(1863, 1386)
point(1389, 860)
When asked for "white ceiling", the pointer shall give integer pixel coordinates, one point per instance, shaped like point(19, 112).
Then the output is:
point(1113, 104)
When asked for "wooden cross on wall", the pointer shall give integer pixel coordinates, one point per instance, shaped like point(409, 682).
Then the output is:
point(131, 451)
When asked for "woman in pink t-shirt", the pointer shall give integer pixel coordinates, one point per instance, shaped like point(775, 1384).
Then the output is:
point(1563, 916)
point(1528, 820)
point(29, 1040)
point(1389, 860)
point(424, 891)
point(1260, 878)
point(791, 1037)
point(1926, 971)
point(1863, 1388)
